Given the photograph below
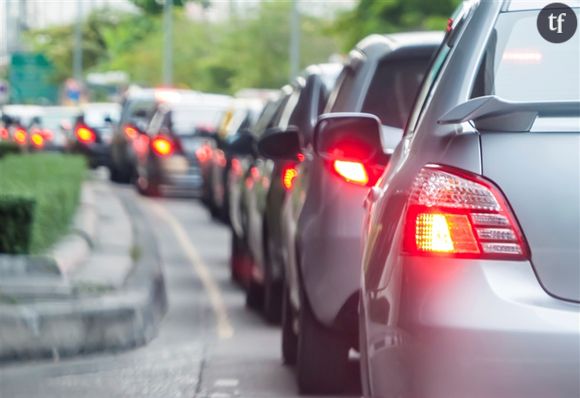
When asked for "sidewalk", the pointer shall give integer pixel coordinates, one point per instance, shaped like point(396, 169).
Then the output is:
point(100, 288)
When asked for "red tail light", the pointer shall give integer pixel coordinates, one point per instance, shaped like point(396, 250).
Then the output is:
point(162, 146)
point(37, 140)
point(85, 135)
point(47, 135)
point(130, 132)
point(353, 172)
point(204, 153)
point(454, 213)
point(289, 174)
point(4, 133)
point(20, 136)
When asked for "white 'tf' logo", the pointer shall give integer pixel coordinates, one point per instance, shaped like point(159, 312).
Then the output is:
point(559, 19)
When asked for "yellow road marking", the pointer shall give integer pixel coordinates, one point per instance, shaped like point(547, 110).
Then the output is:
point(224, 326)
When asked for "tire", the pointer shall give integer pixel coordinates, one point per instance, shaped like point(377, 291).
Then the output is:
point(273, 290)
point(289, 338)
point(238, 259)
point(322, 361)
point(254, 296)
point(119, 176)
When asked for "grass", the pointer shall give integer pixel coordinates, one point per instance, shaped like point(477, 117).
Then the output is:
point(53, 181)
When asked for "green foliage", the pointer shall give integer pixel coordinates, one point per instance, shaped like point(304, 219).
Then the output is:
point(52, 182)
point(8, 147)
point(154, 6)
point(16, 215)
point(388, 16)
point(216, 57)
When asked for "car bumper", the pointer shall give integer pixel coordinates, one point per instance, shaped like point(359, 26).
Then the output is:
point(96, 154)
point(465, 328)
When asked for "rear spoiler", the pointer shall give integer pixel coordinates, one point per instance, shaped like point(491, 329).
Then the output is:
point(492, 113)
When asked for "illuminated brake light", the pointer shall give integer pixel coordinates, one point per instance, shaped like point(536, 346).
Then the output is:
point(353, 172)
point(203, 153)
point(20, 136)
point(130, 132)
point(4, 133)
point(289, 174)
point(162, 146)
point(37, 140)
point(85, 135)
point(47, 135)
point(451, 212)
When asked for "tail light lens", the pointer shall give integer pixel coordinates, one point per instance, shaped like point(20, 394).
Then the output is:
point(4, 133)
point(162, 146)
point(454, 213)
point(289, 174)
point(20, 136)
point(47, 135)
point(37, 140)
point(353, 172)
point(203, 153)
point(130, 132)
point(85, 135)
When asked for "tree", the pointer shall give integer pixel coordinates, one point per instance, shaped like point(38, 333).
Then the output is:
point(154, 7)
point(388, 16)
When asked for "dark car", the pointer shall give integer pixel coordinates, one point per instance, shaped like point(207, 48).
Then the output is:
point(322, 218)
point(269, 183)
point(138, 107)
point(168, 152)
point(241, 116)
point(92, 132)
point(245, 160)
point(471, 282)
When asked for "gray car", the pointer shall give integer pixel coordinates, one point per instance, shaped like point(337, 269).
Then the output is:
point(322, 216)
point(471, 263)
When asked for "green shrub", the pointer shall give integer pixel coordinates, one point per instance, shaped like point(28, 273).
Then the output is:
point(7, 148)
point(16, 215)
point(53, 182)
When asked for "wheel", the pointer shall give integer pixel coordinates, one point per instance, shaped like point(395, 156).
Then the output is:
point(273, 290)
point(254, 296)
point(119, 176)
point(239, 260)
point(322, 362)
point(289, 338)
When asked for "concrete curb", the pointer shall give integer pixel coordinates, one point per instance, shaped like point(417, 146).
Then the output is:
point(75, 248)
point(119, 320)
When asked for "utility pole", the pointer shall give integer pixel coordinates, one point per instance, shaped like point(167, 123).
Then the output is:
point(294, 40)
point(168, 43)
point(78, 46)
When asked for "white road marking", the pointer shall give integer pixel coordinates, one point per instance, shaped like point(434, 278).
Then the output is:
point(226, 383)
point(224, 326)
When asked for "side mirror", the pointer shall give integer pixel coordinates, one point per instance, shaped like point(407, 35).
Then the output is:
point(349, 137)
point(242, 144)
point(351, 143)
point(278, 144)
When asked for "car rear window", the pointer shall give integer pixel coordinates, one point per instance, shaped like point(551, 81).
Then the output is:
point(520, 65)
point(187, 121)
point(393, 89)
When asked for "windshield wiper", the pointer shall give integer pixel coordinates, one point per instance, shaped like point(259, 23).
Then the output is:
point(492, 113)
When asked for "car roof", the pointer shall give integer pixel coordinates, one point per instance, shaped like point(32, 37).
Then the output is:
point(377, 45)
point(523, 5)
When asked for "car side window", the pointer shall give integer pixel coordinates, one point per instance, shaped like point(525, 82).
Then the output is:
point(156, 123)
point(344, 85)
point(426, 92)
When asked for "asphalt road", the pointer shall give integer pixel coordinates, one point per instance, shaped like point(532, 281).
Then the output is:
point(209, 344)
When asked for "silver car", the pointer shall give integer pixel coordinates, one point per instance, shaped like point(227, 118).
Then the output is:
point(471, 263)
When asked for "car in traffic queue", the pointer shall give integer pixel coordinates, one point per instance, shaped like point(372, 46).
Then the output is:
point(92, 132)
point(137, 109)
point(51, 129)
point(471, 260)
point(322, 217)
point(243, 146)
point(16, 122)
point(269, 183)
point(168, 152)
point(243, 114)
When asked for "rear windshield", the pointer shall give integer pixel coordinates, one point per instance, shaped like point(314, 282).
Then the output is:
point(520, 65)
point(187, 121)
point(393, 89)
